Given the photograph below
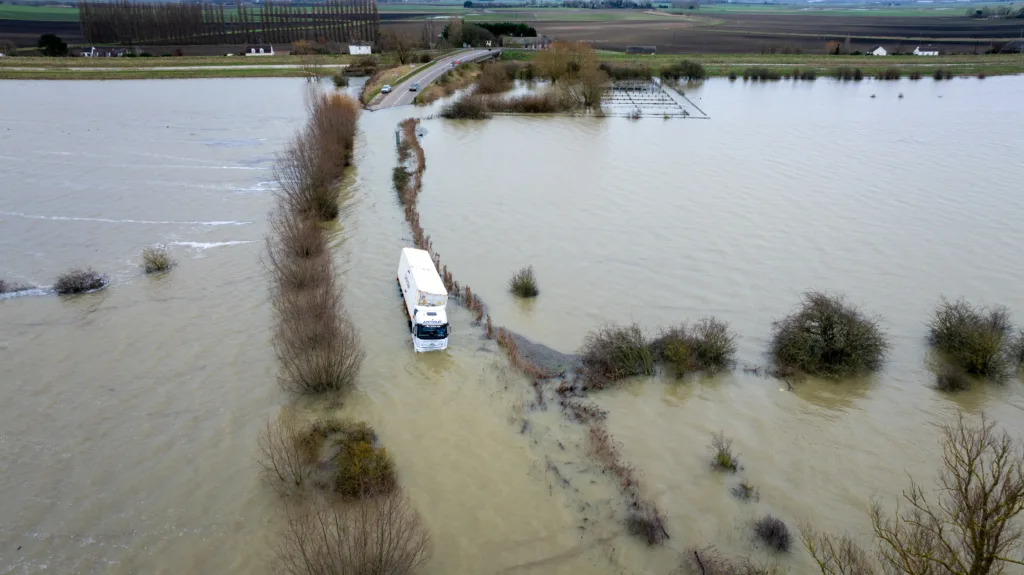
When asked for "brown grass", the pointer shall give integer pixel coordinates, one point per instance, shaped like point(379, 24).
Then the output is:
point(382, 535)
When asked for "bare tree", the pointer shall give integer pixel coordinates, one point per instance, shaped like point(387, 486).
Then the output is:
point(967, 526)
point(378, 536)
point(401, 45)
point(586, 87)
point(280, 454)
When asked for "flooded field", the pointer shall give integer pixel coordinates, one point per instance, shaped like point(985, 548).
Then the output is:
point(129, 421)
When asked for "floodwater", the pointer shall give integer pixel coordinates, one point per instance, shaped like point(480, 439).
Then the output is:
point(129, 416)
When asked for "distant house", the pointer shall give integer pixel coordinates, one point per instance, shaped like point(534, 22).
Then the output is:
point(94, 52)
point(528, 43)
point(878, 51)
point(641, 49)
point(358, 50)
point(259, 50)
point(919, 52)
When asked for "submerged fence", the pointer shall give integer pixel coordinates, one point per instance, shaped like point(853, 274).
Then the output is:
point(173, 23)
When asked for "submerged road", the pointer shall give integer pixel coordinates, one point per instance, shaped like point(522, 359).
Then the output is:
point(400, 94)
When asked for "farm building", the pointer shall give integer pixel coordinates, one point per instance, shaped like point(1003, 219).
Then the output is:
point(878, 51)
point(94, 52)
point(358, 50)
point(919, 52)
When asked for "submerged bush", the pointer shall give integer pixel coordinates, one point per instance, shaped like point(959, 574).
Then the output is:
point(706, 346)
point(761, 73)
point(79, 280)
point(746, 491)
point(943, 74)
point(611, 353)
point(845, 73)
point(773, 532)
point(722, 456)
point(973, 339)
point(524, 283)
point(340, 80)
point(469, 107)
point(828, 337)
point(684, 70)
point(952, 378)
point(381, 536)
point(644, 521)
point(10, 287)
point(915, 75)
point(626, 71)
point(543, 103)
point(335, 455)
point(889, 74)
point(157, 259)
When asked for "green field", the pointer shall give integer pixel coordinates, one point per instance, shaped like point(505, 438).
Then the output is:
point(41, 13)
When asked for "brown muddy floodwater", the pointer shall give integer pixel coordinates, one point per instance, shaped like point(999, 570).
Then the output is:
point(129, 416)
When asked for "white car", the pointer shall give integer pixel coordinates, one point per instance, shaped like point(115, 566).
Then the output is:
point(386, 89)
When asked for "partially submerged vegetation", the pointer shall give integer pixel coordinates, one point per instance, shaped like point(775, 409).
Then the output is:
point(318, 348)
point(331, 455)
point(157, 259)
point(458, 78)
point(773, 532)
point(723, 458)
point(967, 526)
point(524, 283)
point(80, 280)
point(612, 353)
point(829, 337)
point(973, 340)
point(708, 345)
point(11, 287)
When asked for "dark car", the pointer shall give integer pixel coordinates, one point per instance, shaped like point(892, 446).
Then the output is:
point(414, 87)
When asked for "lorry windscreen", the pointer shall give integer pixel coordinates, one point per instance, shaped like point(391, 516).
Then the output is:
point(432, 331)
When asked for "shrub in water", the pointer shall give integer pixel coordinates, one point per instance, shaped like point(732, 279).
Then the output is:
point(524, 283)
point(829, 337)
point(611, 353)
point(706, 346)
point(157, 259)
point(493, 79)
point(915, 76)
point(952, 378)
point(79, 281)
point(773, 532)
point(543, 103)
point(889, 74)
point(761, 73)
point(644, 522)
point(974, 339)
point(9, 287)
point(746, 491)
point(340, 80)
point(626, 71)
point(466, 108)
point(722, 455)
point(684, 70)
point(849, 74)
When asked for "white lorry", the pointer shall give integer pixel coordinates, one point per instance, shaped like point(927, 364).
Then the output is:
point(425, 299)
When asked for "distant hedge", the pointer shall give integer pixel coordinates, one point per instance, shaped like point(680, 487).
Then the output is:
point(509, 29)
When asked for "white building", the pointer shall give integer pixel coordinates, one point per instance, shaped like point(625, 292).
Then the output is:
point(878, 51)
point(919, 52)
point(358, 50)
point(259, 50)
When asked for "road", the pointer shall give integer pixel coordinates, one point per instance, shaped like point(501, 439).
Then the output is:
point(400, 94)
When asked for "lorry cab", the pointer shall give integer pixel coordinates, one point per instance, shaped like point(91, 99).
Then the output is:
point(430, 330)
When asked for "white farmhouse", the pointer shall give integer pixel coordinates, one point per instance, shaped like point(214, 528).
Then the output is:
point(358, 50)
point(878, 51)
point(919, 52)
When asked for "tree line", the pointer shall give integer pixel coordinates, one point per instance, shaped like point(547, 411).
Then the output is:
point(128, 22)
